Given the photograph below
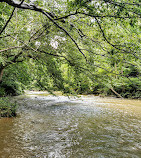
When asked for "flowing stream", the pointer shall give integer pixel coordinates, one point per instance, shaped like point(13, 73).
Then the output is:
point(62, 127)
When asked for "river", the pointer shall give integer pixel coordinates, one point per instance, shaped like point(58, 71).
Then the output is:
point(61, 127)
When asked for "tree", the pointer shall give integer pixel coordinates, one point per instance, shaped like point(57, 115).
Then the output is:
point(100, 37)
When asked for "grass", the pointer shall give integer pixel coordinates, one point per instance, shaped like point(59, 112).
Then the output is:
point(7, 107)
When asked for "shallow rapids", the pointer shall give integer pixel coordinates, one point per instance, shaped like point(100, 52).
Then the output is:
point(62, 127)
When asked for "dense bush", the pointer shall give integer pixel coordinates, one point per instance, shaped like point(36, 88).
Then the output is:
point(7, 108)
point(10, 89)
point(128, 87)
point(15, 78)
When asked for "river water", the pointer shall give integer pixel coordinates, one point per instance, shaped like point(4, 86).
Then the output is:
point(62, 127)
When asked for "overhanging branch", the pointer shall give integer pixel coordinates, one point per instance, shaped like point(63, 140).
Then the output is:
point(3, 50)
point(7, 21)
point(94, 15)
point(47, 14)
point(114, 46)
point(10, 17)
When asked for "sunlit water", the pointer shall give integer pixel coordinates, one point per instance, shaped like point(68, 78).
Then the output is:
point(59, 127)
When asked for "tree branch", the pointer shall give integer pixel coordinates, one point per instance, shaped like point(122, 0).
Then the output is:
point(47, 14)
point(11, 48)
point(116, 92)
point(123, 5)
point(126, 3)
point(7, 21)
point(95, 15)
point(38, 31)
point(9, 17)
point(114, 46)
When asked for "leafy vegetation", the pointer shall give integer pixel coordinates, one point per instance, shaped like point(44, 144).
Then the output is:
point(7, 108)
point(76, 46)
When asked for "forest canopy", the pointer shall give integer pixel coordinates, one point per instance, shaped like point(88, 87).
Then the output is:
point(76, 46)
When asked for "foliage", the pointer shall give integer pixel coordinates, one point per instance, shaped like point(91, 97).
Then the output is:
point(77, 46)
point(7, 108)
point(128, 88)
point(15, 79)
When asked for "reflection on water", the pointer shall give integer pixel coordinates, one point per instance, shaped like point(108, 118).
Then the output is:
point(58, 127)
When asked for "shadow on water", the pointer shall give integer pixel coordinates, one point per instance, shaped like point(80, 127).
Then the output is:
point(58, 127)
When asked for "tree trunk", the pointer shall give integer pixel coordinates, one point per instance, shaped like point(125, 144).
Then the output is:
point(1, 74)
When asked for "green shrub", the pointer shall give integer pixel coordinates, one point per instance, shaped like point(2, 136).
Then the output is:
point(128, 88)
point(10, 88)
point(2, 91)
point(7, 108)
